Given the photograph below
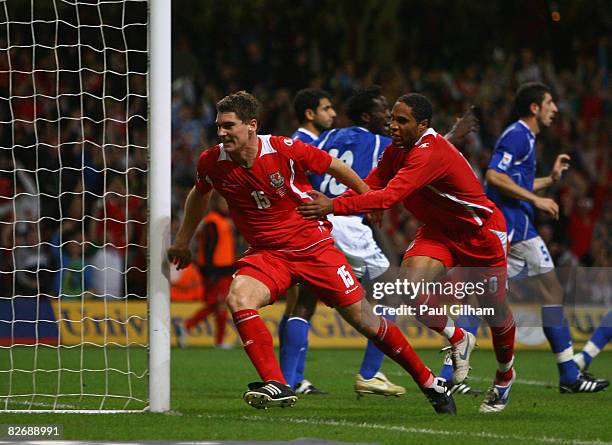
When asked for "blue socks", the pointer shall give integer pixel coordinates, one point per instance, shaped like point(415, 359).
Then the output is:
point(294, 342)
point(598, 341)
point(556, 330)
point(373, 357)
point(468, 323)
point(282, 326)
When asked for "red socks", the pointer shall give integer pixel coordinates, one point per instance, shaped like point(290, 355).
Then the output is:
point(392, 342)
point(457, 335)
point(442, 324)
point(258, 344)
point(503, 344)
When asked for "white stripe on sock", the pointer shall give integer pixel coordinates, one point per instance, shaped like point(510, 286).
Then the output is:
point(245, 319)
point(449, 330)
point(591, 349)
point(565, 355)
point(298, 318)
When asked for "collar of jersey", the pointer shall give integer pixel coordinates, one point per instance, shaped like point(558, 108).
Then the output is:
point(430, 131)
point(308, 133)
point(527, 127)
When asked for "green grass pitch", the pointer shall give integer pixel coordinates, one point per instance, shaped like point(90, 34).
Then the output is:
point(207, 385)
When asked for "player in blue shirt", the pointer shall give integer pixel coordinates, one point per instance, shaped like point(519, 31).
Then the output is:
point(314, 109)
point(511, 184)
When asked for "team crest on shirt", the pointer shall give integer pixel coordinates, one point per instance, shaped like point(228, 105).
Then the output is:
point(288, 141)
point(276, 179)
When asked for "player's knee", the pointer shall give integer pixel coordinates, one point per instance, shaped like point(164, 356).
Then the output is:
point(305, 308)
point(238, 301)
point(550, 288)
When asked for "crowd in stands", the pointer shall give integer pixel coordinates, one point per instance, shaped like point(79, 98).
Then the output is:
point(73, 153)
point(267, 67)
point(62, 155)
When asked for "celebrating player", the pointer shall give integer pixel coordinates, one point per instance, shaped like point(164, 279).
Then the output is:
point(461, 226)
point(263, 179)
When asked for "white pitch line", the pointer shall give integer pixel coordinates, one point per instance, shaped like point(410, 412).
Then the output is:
point(479, 379)
point(410, 430)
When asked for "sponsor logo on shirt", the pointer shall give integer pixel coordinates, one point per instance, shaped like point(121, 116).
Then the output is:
point(505, 161)
point(424, 145)
point(288, 141)
point(276, 179)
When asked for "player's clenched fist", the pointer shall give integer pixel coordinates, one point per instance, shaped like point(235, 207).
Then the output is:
point(179, 255)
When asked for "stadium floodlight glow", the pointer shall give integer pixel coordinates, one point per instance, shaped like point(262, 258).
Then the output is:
point(84, 146)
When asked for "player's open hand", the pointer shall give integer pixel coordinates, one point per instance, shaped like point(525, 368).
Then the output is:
point(320, 206)
point(179, 255)
point(561, 164)
point(547, 205)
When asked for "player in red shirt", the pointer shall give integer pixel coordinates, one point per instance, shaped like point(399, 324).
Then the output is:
point(263, 179)
point(460, 227)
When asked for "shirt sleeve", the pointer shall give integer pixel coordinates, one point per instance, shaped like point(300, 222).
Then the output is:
point(506, 152)
point(202, 182)
point(309, 157)
point(421, 168)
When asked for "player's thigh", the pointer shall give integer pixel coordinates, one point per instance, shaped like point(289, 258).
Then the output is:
point(417, 268)
point(269, 269)
point(361, 316)
point(545, 287)
point(247, 292)
point(292, 297)
point(427, 256)
point(306, 303)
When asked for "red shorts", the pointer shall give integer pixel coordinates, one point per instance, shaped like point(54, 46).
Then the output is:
point(484, 249)
point(322, 267)
point(216, 291)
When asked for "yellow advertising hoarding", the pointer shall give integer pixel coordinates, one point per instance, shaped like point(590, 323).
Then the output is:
point(126, 322)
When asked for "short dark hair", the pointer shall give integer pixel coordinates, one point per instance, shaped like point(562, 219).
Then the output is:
point(421, 106)
point(308, 99)
point(527, 94)
point(362, 101)
point(245, 105)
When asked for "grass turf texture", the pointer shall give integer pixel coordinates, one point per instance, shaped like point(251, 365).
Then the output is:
point(207, 387)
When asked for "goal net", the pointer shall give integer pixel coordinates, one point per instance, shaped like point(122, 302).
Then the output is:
point(74, 205)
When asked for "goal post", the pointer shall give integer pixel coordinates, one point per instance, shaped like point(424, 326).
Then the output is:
point(85, 199)
point(159, 207)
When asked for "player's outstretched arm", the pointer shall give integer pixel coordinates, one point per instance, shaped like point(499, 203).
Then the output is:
point(347, 176)
point(196, 204)
point(508, 187)
point(561, 164)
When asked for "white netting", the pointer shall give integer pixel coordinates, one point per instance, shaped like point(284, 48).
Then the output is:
point(73, 194)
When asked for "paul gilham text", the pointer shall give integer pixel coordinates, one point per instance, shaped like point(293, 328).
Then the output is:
point(423, 309)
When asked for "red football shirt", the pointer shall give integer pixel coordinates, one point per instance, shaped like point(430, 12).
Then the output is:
point(262, 199)
point(433, 179)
